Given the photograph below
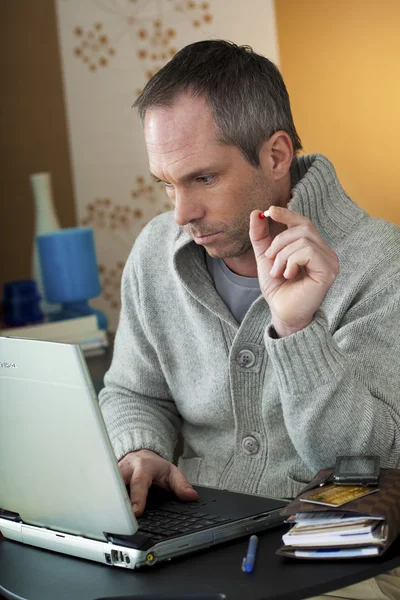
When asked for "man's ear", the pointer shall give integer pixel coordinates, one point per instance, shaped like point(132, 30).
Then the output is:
point(276, 155)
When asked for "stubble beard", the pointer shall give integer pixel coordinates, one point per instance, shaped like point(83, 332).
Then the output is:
point(237, 245)
point(257, 196)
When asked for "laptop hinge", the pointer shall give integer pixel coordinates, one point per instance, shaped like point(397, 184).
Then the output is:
point(10, 516)
point(137, 541)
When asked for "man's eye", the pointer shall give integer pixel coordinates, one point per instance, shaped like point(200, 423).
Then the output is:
point(168, 185)
point(206, 179)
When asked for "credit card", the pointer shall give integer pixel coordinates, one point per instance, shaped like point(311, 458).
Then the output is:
point(336, 495)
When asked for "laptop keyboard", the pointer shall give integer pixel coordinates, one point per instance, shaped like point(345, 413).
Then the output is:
point(162, 524)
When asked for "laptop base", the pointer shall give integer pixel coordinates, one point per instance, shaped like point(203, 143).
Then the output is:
point(117, 554)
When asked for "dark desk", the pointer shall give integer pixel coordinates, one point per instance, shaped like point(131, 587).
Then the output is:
point(33, 574)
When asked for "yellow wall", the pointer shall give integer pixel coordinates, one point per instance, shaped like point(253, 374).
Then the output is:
point(341, 62)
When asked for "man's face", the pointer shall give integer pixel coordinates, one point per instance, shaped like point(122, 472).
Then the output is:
point(212, 186)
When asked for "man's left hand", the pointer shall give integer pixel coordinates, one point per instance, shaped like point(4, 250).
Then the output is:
point(295, 269)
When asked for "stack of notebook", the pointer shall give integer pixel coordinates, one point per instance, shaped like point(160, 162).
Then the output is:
point(335, 535)
point(81, 330)
point(331, 521)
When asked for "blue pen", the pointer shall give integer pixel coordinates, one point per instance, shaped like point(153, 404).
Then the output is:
point(250, 558)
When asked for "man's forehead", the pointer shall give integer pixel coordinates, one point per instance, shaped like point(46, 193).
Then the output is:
point(186, 120)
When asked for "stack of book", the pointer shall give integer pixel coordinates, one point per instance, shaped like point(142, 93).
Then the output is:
point(335, 535)
point(331, 521)
point(82, 330)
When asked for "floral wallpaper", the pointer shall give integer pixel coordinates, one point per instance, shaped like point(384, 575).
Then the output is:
point(110, 49)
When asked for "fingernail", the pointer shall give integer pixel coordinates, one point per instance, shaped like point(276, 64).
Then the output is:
point(135, 507)
point(273, 271)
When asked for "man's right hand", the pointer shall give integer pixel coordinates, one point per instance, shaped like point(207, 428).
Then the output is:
point(142, 468)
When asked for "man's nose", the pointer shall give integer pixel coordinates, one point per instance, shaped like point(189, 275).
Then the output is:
point(187, 208)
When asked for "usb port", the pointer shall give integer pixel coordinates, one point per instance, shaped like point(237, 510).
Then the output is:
point(117, 557)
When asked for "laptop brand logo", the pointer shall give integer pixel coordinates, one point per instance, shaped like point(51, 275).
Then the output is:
point(7, 365)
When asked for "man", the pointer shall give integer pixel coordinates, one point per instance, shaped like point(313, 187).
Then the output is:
point(241, 332)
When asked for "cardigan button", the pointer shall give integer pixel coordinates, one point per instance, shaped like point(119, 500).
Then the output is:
point(250, 445)
point(246, 359)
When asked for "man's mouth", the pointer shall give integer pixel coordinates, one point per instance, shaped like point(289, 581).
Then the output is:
point(204, 238)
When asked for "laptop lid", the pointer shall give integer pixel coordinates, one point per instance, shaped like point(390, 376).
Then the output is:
point(59, 473)
point(57, 466)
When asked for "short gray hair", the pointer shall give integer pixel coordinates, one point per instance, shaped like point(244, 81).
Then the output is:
point(245, 91)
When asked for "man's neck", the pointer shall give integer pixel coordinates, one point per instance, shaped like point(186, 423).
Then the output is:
point(244, 265)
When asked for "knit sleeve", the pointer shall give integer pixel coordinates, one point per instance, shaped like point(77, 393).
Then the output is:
point(136, 403)
point(340, 391)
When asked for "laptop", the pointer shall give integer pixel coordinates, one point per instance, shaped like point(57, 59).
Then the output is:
point(60, 486)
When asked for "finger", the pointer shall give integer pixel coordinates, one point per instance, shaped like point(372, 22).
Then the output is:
point(305, 232)
point(286, 216)
point(298, 259)
point(180, 485)
point(313, 261)
point(259, 234)
point(140, 483)
point(284, 256)
point(125, 468)
point(281, 260)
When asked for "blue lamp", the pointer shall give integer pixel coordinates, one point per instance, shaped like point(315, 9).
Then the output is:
point(70, 272)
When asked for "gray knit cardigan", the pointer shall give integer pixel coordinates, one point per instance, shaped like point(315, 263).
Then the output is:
point(332, 388)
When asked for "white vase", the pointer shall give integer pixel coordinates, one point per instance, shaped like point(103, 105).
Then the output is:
point(45, 221)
